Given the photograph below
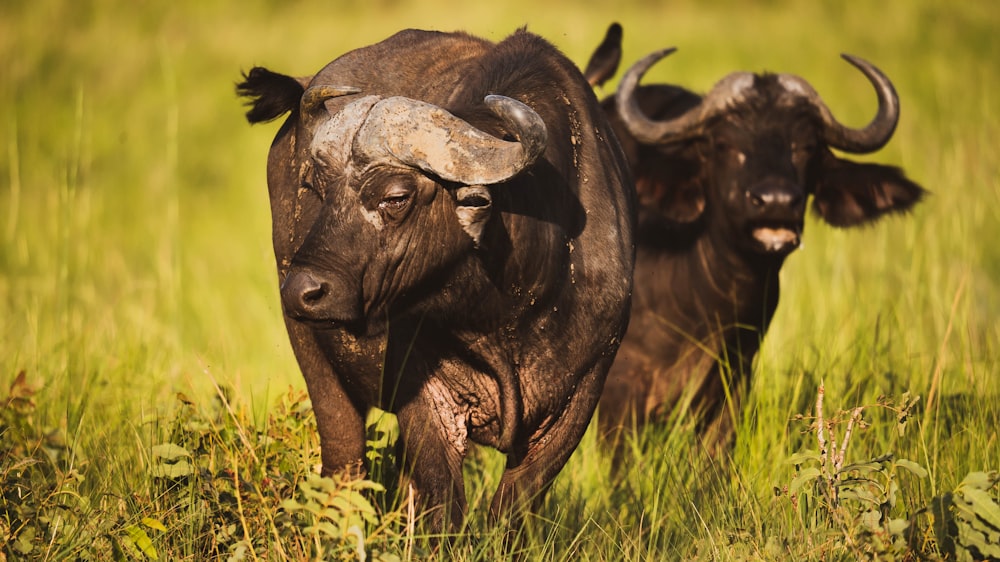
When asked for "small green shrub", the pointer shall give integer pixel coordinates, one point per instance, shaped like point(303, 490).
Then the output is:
point(44, 513)
point(852, 508)
point(966, 521)
point(215, 488)
point(258, 491)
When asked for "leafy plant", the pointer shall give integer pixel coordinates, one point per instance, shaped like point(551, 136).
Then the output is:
point(966, 521)
point(334, 513)
point(258, 489)
point(853, 506)
point(41, 473)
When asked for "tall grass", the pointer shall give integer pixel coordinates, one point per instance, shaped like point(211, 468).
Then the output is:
point(136, 265)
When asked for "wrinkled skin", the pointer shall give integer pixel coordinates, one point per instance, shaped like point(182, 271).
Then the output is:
point(720, 210)
point(484, 314)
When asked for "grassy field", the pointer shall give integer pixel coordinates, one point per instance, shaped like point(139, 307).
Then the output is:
point(150, 406)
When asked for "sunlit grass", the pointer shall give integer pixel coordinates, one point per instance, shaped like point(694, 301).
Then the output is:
point(136, 264)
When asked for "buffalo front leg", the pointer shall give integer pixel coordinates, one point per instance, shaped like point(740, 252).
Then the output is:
point(434, 442)
point(341, 426)
point(526, 479)
point(719, 402)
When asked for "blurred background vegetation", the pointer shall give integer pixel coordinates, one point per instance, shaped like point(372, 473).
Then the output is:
point(135, 258)
point(135, 230)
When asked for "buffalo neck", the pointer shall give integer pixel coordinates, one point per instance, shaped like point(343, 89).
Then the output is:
point(712, 292)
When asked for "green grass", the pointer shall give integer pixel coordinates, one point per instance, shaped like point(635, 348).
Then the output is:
point(136, 264)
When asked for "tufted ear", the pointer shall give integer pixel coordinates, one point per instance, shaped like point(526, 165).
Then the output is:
point(474, 208)
point(270, 94)
point(851, 193)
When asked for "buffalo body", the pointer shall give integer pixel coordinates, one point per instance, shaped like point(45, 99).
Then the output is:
point(723, 182)
point(453, 230)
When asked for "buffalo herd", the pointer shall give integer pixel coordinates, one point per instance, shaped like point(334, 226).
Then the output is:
point(467, 237)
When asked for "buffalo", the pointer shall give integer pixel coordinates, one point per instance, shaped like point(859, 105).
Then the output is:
point(723, 181)
point(453, 228)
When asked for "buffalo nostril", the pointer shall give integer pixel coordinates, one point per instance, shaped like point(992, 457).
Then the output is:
point(774, 197)
point(321, 297)
point(301, 291)
point(313, 293)
point(789, 199)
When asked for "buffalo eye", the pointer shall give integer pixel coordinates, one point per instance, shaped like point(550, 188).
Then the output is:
point(728, 151)
point(395, 203)
point(804, 147)
point(308, 186)
point(802, 152)
point(307, 181)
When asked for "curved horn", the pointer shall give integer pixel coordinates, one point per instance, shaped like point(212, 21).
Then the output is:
point(314, 96)
point(725, 93)
point(428, 137)
point(859, 141)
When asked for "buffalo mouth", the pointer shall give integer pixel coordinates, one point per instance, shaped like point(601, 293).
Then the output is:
point(776, 238)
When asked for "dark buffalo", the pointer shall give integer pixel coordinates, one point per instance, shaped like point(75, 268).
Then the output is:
point(454, 239)
point(722, 181)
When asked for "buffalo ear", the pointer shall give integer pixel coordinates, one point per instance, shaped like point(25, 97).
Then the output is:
point(270, 94)
point(672, 187)
point(604, 62)
point(474, 208)
point(852, 193)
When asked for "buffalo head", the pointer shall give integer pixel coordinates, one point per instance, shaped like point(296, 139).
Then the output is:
point(402, 188)
point(744, 158)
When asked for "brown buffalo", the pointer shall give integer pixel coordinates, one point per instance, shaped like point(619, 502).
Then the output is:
point(453, 229)
point(723, 182)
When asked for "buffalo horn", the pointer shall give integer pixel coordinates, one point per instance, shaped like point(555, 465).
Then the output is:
point(428, 137)
point(726, 92)
point(859, 141)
